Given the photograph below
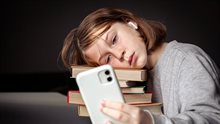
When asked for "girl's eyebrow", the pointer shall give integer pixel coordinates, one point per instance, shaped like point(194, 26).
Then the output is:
point(104, 40)
point(107, 36)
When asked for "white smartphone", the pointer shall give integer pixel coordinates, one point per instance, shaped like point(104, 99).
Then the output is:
point(96, 85)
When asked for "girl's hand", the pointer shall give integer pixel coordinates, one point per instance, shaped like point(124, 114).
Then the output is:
point(125, 113)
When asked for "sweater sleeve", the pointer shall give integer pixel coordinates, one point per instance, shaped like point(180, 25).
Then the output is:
point(198, 91)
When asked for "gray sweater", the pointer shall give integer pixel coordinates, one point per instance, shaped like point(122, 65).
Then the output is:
point(186, 81)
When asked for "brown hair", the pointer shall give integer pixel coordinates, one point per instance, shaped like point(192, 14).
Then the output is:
point(80, 38)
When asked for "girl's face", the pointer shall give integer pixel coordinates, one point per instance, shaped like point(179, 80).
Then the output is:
point(121, 46)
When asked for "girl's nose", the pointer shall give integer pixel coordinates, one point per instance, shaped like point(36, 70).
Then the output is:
point(119, 54)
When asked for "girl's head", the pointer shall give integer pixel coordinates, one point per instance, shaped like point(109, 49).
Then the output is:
point(112, 36)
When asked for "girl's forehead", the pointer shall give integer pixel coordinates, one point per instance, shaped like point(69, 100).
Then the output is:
point(101, 33)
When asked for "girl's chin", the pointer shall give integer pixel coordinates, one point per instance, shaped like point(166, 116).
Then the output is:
point(139, 67)
point(136, 66)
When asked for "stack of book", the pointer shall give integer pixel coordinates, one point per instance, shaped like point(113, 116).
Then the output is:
point(133, 86)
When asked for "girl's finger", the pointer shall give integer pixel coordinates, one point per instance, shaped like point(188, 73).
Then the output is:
point(115, 114)
point(119, 106)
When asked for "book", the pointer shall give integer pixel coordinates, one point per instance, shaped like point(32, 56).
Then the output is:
point(138, 89)
point(74, 97)
point(155, 108)
point(126, 83)
point(133, 86)
point(122, 74)
point(140, 98)
point(123, 83)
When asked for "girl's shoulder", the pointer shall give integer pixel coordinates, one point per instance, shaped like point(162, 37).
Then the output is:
point(185, 48)
point(187, 52)
point(190, 54)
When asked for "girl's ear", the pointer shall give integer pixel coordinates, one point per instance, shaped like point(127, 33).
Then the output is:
point(133, 25)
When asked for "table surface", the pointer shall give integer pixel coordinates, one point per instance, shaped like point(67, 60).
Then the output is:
point(38, 108)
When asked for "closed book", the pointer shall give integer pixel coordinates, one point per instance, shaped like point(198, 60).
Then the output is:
point(139, 89)
point(74, 97)
point(154, 108)
point(126, 83)
point(122, 74)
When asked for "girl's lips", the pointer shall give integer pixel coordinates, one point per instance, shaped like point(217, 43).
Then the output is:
point(131, 59)
point(134, 59)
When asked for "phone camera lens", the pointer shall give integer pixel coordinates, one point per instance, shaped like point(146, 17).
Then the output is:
point(109, 79)
point(107, 72)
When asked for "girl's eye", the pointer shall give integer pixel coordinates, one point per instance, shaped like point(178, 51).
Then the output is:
point(108, 58)
point(114, 40)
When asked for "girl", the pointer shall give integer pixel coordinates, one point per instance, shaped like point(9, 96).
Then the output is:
point(184, 78)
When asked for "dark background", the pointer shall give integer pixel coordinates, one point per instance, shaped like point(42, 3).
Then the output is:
point(33, 34)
